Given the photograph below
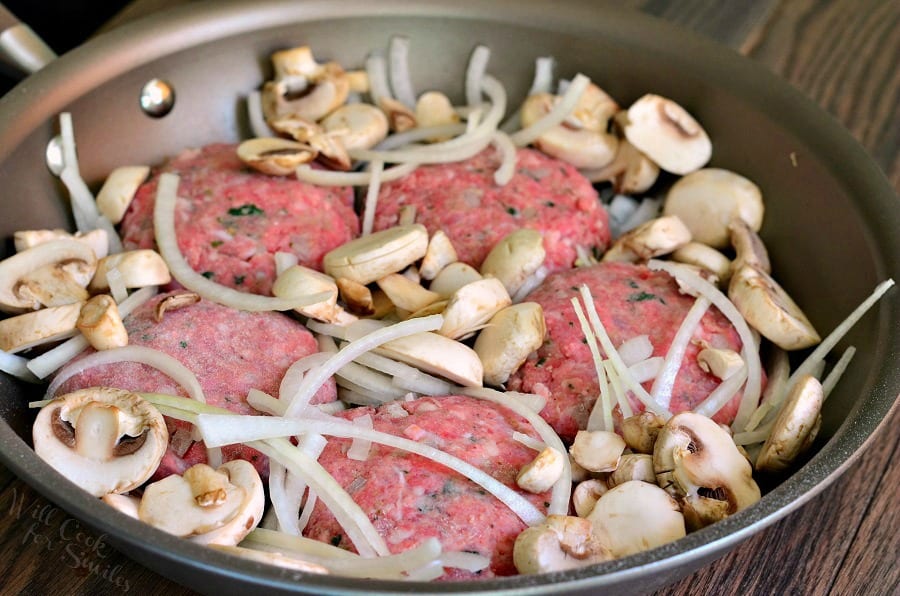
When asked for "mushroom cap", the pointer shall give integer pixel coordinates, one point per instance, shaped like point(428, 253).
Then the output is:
point(704, 256)
point(439, 254)
point(139, 268)
point(21, 264)
point(372, 257)
point(653, 238)
point(708, 200)
point(509, 338)
point(357, 125)
point(515, 258)
point(39, 327)
point(472, 306)
point(586, 494)
point(636, 516)
point(541, 473)
point(173, 505)
point(114, 452)
point(298, 281)
point(453, 277)
point(697, 461)
point(118, 191)
point(769, 309)
point(97, 239)
point(561, 542)
point(748, 247)
point(633, 466)
point(406, 293)
point(276, 157)
point(795, 428)
point(667, 134)
point(439, 355)
point(631, 172)
point(598, 450)
point(640, 431)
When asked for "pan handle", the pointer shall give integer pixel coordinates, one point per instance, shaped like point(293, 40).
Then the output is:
point(20, 45)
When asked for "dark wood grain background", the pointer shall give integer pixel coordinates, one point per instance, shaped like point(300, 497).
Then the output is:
point(841, 53)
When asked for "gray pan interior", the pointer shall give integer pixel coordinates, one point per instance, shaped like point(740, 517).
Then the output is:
point(832, 221)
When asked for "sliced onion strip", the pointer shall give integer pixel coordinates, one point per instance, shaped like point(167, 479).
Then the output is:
point(401, 81)
point(117, 287)
point(601, 414)
point(415, 135)
point(647, 370)
point(475, 73)
point(838, 371)
point(376, 69)
point(618, 390)
point(308, 174)
point(722, 394)
point(166, 240)
point(556, 116)
point(636, 349)
point(258, 125)
point(360, 446)
point(377, 169)
point(507, 151)
point(17, 366)
point(661, 391)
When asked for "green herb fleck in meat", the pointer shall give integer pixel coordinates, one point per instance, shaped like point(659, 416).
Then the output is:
point(247, 209)
point(512, 210)
point(642, 296)
point(541, 361)
point(183, 344)
point(336, 540)
point(238, 280)
point(216, 243)
point(632, 284)
point(549, 203)
point(208, 274)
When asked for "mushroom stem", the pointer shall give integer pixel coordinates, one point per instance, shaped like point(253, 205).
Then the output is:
point(97, 431)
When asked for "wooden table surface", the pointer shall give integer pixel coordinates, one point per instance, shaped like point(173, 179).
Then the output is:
point(841, 53)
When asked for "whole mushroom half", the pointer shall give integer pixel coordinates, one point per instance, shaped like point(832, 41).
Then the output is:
point(667, 134)
point(560, 542)
point(697, 462)
point(54, 272)
point(104, 440)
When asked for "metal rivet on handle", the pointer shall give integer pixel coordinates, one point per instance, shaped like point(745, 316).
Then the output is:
point(157, 98)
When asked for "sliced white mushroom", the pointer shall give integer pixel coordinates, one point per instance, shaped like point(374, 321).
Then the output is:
point(405, 293)
point(769, 309)
point(720, 362)
point(104, 440)
point(174, 302)
point(561, 542)
point(708, 200)
point(453, 277)
point(96, 239)
point(356, 296)
point(357, 125)
point(705, 257)
point(439, 355)
point(138, 269)
point(795, 428)
point(400, 117)
point(748, 247)
point(276, 157)
point(586, 494)
point(582, 140)
point(69, 255)
point(435, 308)
point(473, 305)
point(440, 253)
point(39, 327)
point(299, 281)
point(100, 323)
point(636, 516)
point(540, 474)
point(509, 338)
point(697, 462)
point(667, 134)
point(209, 507)
point(640, 431)
point(631, 172)
point(633, 466)
point(303, 87)
point(433, 108)
point(119, 189)
point(126, 504)
point(377, 255)
point(597, 451)
point(651, 239)
point(515, 259)
point(56, 285)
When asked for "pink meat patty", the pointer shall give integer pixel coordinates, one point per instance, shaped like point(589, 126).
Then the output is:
point(631, 300)
point(462, 199)
point(410, 498)
point(230, 352)
point(233, 220)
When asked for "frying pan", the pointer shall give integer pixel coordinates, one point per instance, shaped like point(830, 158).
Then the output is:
point(832, 218)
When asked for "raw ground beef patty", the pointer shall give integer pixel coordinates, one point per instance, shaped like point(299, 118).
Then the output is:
point(230, 352)
point(462, 199)
point(231, 220)
point(410, 498)
point(631, 300)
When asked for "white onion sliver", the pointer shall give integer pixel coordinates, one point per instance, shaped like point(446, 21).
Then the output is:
point(750, 399)
point(117, 287)
point(475, 72)
point(722, 394)
point(164, 228)
point(369, 382)
point(360, 447)
point(284, 261)
point(507, 150)
point(332, 408)
point(415, 135)
point(140, 354)
point(221, 430)
point(562, 490)
point(636, 349)
point(328, 178)
point(555, 116)
point(542, 83)
point(751, 438)
point(601, 414)
point(426, 573)
point(258, 125)
point(372, 197)
point(294, 375)
point(778, 373)
point(838, 371)
point(298, 545)
point(463, 560)
point(52, 360)
point(348, 395)
point(401, 80)
point(613, 355)
point(83, 208)
point(529, 442)
point(315, 379)
point(661, 390)
point(404, 375)
point(285, 505)
point(532, 401)
point(618, 390)
point(308, 506)
point(265, 403)
point(17, 366)
point(647, 370)
point(349, 332)
point(113, 242)
point(376, 69)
